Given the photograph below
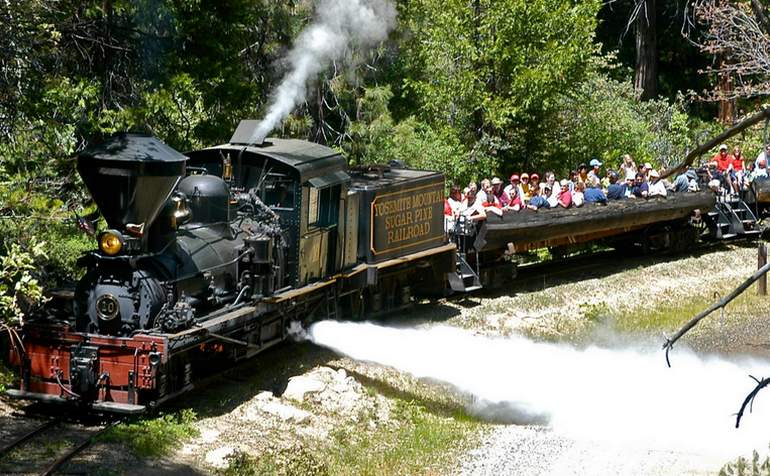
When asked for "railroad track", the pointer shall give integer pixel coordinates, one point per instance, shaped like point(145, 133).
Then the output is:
point(43, 448)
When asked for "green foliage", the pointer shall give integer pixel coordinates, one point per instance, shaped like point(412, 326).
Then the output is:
point(498, 68)
point(19, 290)
point(604, 118)
point(154, 437)
point(376, 139)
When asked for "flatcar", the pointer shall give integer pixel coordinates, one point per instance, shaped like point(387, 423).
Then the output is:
point(212, 256)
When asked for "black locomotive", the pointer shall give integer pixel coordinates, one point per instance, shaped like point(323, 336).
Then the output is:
point(209, 257)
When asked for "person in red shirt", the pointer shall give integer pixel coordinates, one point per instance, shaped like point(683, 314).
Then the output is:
point(723, 159)
point(737, 165)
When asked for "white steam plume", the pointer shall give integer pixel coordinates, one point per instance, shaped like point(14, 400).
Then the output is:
point(594, 394)
point(339, 24)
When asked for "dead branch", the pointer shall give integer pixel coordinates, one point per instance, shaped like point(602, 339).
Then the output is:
point(749, 400)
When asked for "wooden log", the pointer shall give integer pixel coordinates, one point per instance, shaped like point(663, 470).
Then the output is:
point(618, 216)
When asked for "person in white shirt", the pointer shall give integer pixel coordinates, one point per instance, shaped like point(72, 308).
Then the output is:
point(657, 188)
point(763, 155)
point(481, 195)
point(577, 195)
point(628, 169)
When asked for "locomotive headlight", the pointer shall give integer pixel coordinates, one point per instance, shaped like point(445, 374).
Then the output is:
point(111, 242)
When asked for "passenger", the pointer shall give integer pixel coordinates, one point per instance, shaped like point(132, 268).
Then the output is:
point(616, 191)
point(573, 179)
point(497, 188)
point(553, 198)
point(646, 167)
point(630, 184)
point(656, 187)
point(534, 181)
point(595, 173)
point(471, 187)
point(486, 185)
point(682, 182)
point(454, 204)
point(582, 173)
point(722, 159)
point(473, 208)
point(537, 201)
point(628, 168)
point(514, 183)
point(525, 187)
point(492, 203)
point(578, 197)
point(764, 154)
point(737, 169)
point(641, 187)
point(594, 193)
point(565, 196)
point(761, 171)
point(512, 200)
point(550, 179)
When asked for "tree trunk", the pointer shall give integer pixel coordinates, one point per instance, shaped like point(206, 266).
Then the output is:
point(646, 73)
point(726, 105)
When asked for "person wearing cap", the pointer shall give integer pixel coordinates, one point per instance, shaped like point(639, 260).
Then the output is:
point(594, 193)
point(564, 199)
point(525, 187)
point(656, 187)
point(722, 159)
point(595, 173)
point(534, 181)
point(616, 190)
point(641, 187)
point(514, 181)
point(682, 181)
point(630, 183)
point(497, 188)
point(628, 168)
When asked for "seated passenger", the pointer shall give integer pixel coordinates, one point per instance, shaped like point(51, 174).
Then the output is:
point(577, 196)
point(628, 168)
point(497, 188)
point(514, 183)
point(760, 171)
point(512, 200)
point(616, 191)
point(656, 187)
point(641, 187)
point(595, 172)
point(552, 198)
point(473, 208)
point(525, 186)
point(573, 179)
point(582, 173)
point(482, 192)
point(594, 193)
point(565, 196)
point(630, 183)
point(454, 204)
point(492, 203)
point(534, 181)
point(723, 159)
point(537, 201)
point(681, 183)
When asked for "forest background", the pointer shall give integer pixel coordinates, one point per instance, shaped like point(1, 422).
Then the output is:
point(472, 88)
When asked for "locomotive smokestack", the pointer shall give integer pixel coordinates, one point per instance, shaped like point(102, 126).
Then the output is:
point(338, 25)
point(130, 177)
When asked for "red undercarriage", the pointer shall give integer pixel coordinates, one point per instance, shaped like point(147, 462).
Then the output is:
point(127, 368)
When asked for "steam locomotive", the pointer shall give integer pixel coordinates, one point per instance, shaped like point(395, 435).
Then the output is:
point(214, 256)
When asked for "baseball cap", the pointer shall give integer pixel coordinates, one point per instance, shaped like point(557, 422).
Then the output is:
point(496, 181)
point(564, 182)
point(514, 177)
point(595, 163)
point(723, 147)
